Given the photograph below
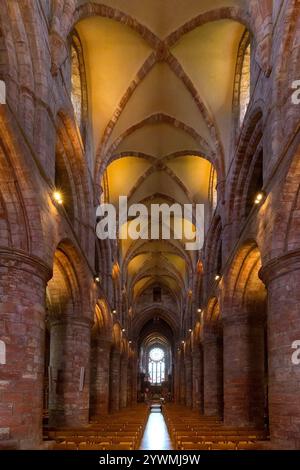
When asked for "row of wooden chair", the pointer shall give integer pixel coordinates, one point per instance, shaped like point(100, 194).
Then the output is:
point(190, 431)
point(119, 431)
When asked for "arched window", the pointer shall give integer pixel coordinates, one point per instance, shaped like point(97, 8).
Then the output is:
point(78, 83)
point(242, 80)
point(156, 366)
point(244, 97)
point(76, 91)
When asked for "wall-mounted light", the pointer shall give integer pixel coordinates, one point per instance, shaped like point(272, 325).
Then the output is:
point(182, 342)
point(190, 330)
point(199, 310)
point(97, 279)
point(217, 277)
point(114, 311)
point(129, 342)
point(123, 330)
point(258, 198)
point(58, 197)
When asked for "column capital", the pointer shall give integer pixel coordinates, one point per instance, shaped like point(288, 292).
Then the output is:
point(211, 334)
point(242, 318)
point(22, 261)
point(69, 319)
point(104, 343)
point(280, 266)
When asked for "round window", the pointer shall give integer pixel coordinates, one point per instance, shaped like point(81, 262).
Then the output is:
point(156, 354)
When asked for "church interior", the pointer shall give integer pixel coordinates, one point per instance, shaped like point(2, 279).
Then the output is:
point(139, 343)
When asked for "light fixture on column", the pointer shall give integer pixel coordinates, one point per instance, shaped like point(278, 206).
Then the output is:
point(258, 198)
point(97, 279)
point(217, 277)
point(199, 310)
point(129, 342)
point(182, 342)
point(190, 330)
point(114, 311)
point(58, 197)
point(123, 330)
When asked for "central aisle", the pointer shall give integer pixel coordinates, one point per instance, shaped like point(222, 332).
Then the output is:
point(156, 435)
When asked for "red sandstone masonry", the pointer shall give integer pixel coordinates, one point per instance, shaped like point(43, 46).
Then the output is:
point(22, 328)
point(114, 388)
point(35, 98)
point(99, 404)
point(70, 370)
point(213, 370)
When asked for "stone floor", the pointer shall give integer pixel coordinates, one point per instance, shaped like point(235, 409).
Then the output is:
point(156, 435)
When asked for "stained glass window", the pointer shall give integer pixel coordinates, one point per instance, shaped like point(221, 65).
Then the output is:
point(156, 366)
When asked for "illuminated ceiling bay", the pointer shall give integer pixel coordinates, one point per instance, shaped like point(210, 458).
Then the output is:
point(161, 263)
point(211, 67)
point(164, 16)
point(113, 54)
point(161, 109)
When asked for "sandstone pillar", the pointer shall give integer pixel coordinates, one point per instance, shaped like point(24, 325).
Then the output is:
point(123, 381)
point(129, 383)
point(22, 335)
point(114, 389)
point(213, 372)
point(188, 381)
point(197, 377)
point(100, 399)
point(134, 380)
point(243, 340)
point(69, 384)
point(282, 277)
point(182, 383)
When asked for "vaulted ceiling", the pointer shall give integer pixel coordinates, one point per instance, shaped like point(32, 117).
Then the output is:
point(161, 111)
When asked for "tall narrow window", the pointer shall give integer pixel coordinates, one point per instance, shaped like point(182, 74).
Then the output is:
point(76, 91)
point(244, 97)
point(156, 366)
point(78, 84)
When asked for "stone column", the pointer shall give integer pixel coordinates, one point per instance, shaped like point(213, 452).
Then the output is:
point(114, 389)
point(22, 333)
point(182, 382)
point(197, 377)
point(282, 278)
point(213, 372)
point(243, 340)
point(177, 378)
point(134, 380)
point(123, 381)
point(100, 397)
point(129, 383)
point(188, 381)
point(70, 339)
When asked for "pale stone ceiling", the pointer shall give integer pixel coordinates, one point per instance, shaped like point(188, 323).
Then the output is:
point(167, 116)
